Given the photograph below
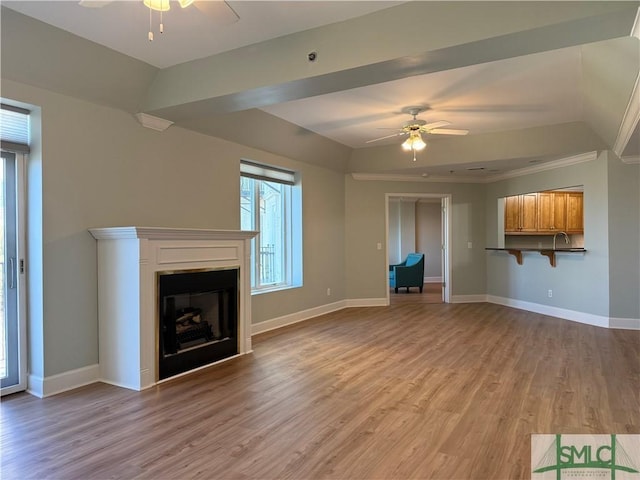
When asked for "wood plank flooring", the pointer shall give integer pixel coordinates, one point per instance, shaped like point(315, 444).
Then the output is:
point(431, 293)
point(408, 391)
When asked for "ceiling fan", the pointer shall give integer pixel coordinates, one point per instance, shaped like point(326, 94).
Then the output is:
point(416, 127)
point(218, 11)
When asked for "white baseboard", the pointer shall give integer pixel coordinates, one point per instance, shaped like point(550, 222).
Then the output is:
point(296, 317)
point(35, 385)
point(47, 386)
point(432, 279)
point(625, 323)
point(575, 316)
point(468, 298)
point(367, 302)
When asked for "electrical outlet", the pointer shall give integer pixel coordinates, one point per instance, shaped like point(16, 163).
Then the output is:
point(550, 293)
point(469, 245)
point(328, 292)
point(379, 246)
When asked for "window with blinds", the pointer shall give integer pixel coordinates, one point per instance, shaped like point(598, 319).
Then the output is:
point(270, 202)
point(14, 128)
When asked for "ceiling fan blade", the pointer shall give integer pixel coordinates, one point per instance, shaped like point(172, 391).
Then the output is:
point(387, 136)
point(448, 131)
point(94, 3)
point(219, 11)
point(441, 123)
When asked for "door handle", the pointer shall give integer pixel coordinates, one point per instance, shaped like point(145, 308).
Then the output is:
point(12, 272)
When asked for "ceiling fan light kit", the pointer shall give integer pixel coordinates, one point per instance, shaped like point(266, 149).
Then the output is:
point(416, 127)
point(414, 142)
point(158, 5)
point(218, 9)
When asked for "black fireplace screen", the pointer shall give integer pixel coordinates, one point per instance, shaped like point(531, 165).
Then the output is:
point(198, 321)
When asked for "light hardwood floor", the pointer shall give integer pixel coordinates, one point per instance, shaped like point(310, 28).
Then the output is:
point(431, 293)
point(409, 391)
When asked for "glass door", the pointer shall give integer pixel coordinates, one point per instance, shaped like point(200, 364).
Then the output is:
point(11, 335)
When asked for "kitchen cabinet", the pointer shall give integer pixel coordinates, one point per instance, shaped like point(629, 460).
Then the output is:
point(512, 214)
point(575, 212)
point(521, 213)
point(552, 212)
point(543, 213)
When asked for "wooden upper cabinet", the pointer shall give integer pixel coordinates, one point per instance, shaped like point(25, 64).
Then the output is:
point(575, 212)
point(529, 212)
point(552, 211)
point(512, 214)
point(543, 213)
point(521, 213)
point(559, 211)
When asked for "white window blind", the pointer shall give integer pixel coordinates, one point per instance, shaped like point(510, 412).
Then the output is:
point(267, 173)
point(14, 128)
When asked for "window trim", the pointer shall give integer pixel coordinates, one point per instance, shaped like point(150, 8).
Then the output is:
point(292, 228)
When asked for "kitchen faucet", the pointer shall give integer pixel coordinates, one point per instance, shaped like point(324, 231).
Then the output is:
point(566, 238)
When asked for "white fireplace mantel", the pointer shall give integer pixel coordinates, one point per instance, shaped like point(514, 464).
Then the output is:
point(129, 259)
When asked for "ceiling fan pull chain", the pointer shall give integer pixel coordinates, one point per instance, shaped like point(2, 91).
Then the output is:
point(161, 24)
point(150, 26)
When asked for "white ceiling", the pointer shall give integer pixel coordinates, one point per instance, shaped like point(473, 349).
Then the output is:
point(539, 89)
point(123, 25)
point(522, 92)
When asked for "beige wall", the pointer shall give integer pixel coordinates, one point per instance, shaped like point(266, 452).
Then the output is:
point(365, 219)
point(429, 237)
point(101, 168)
point(579, 281)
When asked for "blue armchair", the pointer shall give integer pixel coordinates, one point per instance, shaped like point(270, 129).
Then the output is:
point(409, 273)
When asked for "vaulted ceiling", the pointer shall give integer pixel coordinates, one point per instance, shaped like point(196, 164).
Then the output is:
point(532, 81)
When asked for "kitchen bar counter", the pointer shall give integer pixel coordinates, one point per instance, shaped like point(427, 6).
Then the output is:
point(547, 252)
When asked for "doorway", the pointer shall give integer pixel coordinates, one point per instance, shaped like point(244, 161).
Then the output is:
point(12, 321)
point(407, 209)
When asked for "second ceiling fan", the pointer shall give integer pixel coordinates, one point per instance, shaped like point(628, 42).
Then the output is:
point(416, 127)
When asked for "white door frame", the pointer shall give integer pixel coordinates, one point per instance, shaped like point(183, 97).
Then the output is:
point(446, 236)
point(21, 160)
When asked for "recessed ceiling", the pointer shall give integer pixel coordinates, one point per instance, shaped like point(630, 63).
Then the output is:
point(521, 92)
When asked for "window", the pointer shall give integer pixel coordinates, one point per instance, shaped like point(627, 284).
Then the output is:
point(270, 203)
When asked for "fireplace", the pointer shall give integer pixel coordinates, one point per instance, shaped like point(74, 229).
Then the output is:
point(170, 300)
point(198, 319)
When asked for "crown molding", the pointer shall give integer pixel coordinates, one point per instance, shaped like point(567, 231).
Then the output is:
point(635, 30)
point(564, 162)
point(631, 159)
point(413, 178)
point(154, 123)
point(630, 119)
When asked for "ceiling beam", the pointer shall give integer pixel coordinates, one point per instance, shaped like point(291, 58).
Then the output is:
point(358, 52)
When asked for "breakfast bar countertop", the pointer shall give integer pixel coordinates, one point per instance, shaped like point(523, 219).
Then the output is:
point(534, 249)
point(548, 252)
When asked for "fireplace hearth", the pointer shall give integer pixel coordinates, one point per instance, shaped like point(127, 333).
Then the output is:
point(198, 319)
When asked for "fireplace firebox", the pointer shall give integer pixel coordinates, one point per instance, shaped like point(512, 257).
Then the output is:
point(198, 319)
